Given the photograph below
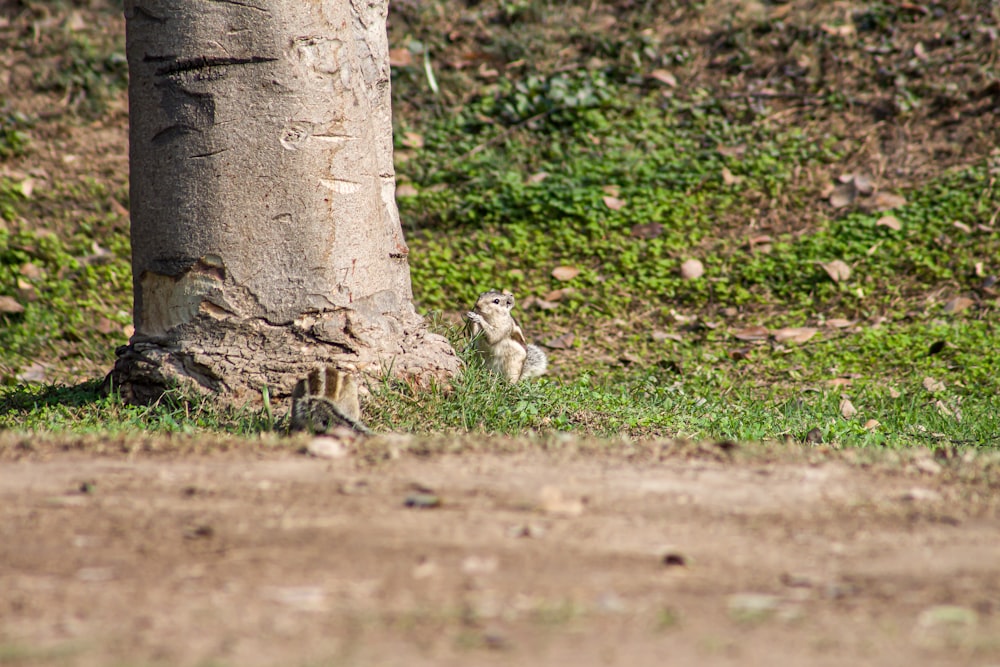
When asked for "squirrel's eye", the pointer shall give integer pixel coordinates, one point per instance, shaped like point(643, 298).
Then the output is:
point(496, 300)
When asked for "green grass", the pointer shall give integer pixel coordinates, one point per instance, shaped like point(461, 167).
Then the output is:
point(512, 181)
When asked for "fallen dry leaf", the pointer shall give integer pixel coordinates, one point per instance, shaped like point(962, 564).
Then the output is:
point(838, 270)
point(10, 306)
point(847, 408)
point(400, 57)
point(558, 295)
point(565, 273)
point(614, 203)
point(872, 424)
point(732, 151)
point(542, 304)
point(752, 333)
point(839, 323)
point(961, 226)
point(664, 77)
point(33, 373)
point(538, 177)
point(894, 393)
point(563, 342)
point(843, 195)
point(890, 221)
point(648, 230)
point(413, 140)
point(932, 385)
point(692, 269)
point(660, 336)
point(728, 178)
point(884, 201)
point(794, 334)
point(863, 184)
point(840, 382)
point(958, 304)
point(406, 190)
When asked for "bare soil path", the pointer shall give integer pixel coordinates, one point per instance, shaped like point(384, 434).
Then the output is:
point(531, 558)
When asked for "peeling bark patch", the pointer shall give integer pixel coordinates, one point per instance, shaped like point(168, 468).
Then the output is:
point(214, 310)
point(341, 186)
point(170, 301)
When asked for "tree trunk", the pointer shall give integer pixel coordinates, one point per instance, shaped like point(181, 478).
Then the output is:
point(265, 234)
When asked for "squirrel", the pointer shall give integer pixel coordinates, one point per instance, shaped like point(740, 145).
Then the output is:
point(327, 398)
point(500, 340)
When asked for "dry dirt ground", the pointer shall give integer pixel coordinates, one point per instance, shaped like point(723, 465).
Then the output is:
point(537, 554)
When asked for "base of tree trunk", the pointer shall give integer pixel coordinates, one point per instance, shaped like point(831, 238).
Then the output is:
point(234, 359)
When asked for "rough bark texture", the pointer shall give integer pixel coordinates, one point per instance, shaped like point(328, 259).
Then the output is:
point(265, 234)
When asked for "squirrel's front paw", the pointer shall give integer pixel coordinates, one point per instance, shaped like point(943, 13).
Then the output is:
point(474, 317)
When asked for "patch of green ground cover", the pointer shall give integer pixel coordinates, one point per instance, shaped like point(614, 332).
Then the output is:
point(87, 69)
point(663, 164)
point(644, 405)
point(84, 408)
point(928, 251)
point(75, 287)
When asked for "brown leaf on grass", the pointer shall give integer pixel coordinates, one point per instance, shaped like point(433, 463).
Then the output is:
point(32, 271)
point(664, 77)
point(565, 273)
point(843, 195)
point(839, 323)
point(890, 221)
point(692, 269)
point(10, 306)
point(400, 57)
point(413, 140)
point(847, 408)
point(647, 230)
point(872, 424)
point(962, 227)
point(794, 334)
point(27, 187)
point(612, 190)
point(863, 184)
point(660, 336)
point(558, 295)
point(563, 342)
point(838, 270)
point(614, 203)
point(33, 373)
point(885, 201)
point(406, 190)
point(958, 304)
point(542, 304)
point(840, 382)
point(538, 177)
point(728, 178)
point(752, 333)
point(732, 151)
point(932, 385)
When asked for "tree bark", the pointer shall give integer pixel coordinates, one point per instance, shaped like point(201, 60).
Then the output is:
point(265, 234)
